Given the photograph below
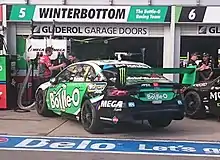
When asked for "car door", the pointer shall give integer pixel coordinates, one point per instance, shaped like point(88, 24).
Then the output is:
point(214, 95)
point(67, 95)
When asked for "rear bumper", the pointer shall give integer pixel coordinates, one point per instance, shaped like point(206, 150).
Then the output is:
point(174, 112)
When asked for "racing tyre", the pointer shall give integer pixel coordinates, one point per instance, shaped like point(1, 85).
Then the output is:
point(41, 105)
point(90, 119)
point(194, 107)
point(159, 123)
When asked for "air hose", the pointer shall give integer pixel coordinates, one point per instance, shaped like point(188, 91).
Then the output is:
point(21, 92)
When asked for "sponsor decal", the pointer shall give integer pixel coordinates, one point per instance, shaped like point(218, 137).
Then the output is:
point(80, 29)
point(200, 85)
point(209, 30)
point(145, 85)
point(215, 88)
point(156, 96)
point(97, 14)
point(215, 95)
point(131, 104)
point(115, 120)
point(111, 104)
point(97, 87)
point(122, 75)
point(3, 140)
point(132, 65)
point(179, 102)
point(105, 145)
point(61, 100)
point(37, 46)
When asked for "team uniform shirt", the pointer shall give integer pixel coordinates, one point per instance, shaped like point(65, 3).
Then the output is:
point(44, 64)
point(191, 63)
point(208, 68)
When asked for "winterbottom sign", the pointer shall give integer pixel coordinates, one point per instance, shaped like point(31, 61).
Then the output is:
point(203, 14)
point(85, 29)
point(97, 14)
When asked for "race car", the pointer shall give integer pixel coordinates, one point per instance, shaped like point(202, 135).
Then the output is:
point(98, 92)
point(203, 97)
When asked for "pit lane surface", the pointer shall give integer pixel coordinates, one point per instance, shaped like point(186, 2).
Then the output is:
point(32, 124)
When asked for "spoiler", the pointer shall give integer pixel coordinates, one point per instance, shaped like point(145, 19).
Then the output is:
point(124, 72)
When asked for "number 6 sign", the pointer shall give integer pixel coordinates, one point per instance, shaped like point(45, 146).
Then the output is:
point(190, 14)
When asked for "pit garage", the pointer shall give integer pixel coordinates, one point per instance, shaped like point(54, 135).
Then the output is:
point(200, 38)
point(99, 41)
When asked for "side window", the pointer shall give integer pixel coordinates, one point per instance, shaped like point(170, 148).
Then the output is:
point(91, 75)
point(65, 76)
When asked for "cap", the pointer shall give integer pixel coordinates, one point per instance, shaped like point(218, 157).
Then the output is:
point(205, 54)
point(195, 54)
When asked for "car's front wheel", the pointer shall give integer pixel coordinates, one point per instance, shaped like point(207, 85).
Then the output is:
point(41, 105)
point(159, 123)
point(90, 119)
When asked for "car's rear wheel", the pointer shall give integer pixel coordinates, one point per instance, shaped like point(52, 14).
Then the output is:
point(159, 123)
point(90, 119)
point(194, 107)
point(41, 105)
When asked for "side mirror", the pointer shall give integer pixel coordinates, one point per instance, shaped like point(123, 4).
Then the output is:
point(53, 80)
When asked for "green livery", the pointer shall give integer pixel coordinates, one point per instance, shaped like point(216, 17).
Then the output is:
point(111, 91)
point(66, 97)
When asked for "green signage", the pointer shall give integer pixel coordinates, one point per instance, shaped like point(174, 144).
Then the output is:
point(95, 14)
point(22, 12)
point(147, 14)
point(3, 68)
point(20, 49)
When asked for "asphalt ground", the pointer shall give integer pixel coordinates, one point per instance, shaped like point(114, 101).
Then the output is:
point(31, 124)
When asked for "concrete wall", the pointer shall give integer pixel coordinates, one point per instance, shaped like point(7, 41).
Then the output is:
point(117, 2)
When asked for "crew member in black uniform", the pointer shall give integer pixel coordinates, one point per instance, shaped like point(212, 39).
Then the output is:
point(207, 66)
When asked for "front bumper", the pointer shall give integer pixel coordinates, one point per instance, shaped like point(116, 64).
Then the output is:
point(171, 110)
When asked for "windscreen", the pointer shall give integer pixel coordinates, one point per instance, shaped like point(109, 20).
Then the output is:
point(110, 72)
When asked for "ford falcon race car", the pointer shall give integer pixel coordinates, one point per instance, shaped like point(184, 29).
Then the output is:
point(112, 91)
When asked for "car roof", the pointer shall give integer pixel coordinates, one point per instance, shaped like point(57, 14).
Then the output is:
point(112, 62)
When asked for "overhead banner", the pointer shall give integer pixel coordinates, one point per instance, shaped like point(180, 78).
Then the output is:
point(86, 29)
point(209, 30)
point(203, 14)
point(95, 14)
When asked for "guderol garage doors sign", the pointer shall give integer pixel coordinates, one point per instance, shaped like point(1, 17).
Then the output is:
point(96, 14)
point(85, 29)
point(208, 30)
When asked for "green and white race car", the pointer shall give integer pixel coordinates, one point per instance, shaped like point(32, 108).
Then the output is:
point(111, 91)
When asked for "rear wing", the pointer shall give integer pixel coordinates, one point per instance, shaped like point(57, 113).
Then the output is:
point(124, 72)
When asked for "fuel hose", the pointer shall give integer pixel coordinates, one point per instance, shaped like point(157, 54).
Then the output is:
point(21, 92)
